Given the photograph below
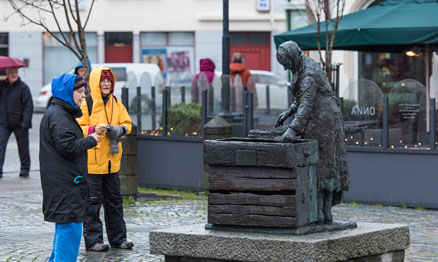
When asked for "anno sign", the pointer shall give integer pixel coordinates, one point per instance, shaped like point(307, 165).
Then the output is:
point(263, 5)
point(363, 110)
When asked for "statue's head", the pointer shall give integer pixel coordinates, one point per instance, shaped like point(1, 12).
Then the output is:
point(289, 55)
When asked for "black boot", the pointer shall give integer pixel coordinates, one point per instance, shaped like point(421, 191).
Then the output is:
point(125, 245)
point(24, 173)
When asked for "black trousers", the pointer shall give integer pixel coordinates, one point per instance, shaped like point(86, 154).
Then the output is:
point(22, 137)
point(104, 189)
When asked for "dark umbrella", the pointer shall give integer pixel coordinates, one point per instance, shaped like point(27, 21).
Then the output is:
point(6, 61)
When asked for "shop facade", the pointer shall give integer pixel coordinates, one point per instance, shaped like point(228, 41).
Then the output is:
point(173, 34)
point(390, 118)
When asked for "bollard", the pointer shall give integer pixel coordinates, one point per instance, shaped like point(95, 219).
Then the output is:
point(128, 168)
point(432, 124)
point(154, 109)
point(233, 99)
point(164, 110)
point(139, 108)
point(183, 94)
point(244, 114)
point(196, 98)
point(268, 100)
point(385, 122)
point(125, 97)
point(169, 94)
point(204, 112)
point(250, 111)
point(210, 99)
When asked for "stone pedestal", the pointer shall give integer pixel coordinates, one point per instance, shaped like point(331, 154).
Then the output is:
point(368, 242)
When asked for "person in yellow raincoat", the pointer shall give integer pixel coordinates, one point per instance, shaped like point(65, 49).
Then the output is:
point(103, 111)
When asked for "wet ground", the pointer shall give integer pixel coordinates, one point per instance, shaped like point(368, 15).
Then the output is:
point(24, 236)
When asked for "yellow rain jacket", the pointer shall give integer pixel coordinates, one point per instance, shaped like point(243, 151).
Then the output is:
point(100, 159)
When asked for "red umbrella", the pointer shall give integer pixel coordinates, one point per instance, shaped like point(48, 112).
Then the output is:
point(6, 61)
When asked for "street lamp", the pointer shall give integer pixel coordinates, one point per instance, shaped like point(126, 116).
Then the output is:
point(225, 61)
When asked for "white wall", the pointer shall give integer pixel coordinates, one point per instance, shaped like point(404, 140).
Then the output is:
point(204, 17)
point(163, 15)
point(28, 45)
point(208, 44)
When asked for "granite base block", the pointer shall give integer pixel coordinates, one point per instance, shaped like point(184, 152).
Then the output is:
point(369, 242)
point(396, 256)
point(304, 230)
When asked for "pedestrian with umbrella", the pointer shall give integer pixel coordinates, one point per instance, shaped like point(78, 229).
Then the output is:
point(16, 110)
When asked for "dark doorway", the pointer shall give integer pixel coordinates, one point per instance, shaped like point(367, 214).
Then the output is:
point(255, 47)
point(118, 47)
point(3, 50)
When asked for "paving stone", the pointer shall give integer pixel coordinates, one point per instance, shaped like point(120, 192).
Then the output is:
point(24, 236)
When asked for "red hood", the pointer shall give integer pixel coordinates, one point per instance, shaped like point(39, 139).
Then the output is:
point(207, 65)
point(236, 68)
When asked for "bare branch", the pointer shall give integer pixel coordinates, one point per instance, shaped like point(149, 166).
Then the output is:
point(318, 36)
point(71, 11)
point(57, 23)
point(340, 5)
point(49, 7)
point(29, 4)
point(89, 13)
point(72, 32)
point(324, 10)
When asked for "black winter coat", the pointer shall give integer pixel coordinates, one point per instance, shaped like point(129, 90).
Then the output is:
point(16, 106)
point(63, 157)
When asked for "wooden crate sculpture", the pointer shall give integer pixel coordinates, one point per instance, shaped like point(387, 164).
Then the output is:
point(261, 183)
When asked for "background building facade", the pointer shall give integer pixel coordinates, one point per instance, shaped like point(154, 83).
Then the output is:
point(174, 34)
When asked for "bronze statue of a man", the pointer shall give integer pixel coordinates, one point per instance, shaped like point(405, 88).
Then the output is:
point(316, 115)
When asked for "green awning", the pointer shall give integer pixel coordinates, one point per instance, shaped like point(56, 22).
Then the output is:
point(392, 26)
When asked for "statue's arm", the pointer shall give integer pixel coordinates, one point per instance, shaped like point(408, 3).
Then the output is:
point(305, 107)
point(286, 114)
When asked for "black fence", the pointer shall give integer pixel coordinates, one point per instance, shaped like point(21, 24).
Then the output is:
point(245, 118)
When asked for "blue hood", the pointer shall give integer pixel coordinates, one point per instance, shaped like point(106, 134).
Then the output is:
point(81, 65)
point(62, 88)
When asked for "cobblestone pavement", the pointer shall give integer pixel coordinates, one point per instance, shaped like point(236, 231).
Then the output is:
point(24, 236)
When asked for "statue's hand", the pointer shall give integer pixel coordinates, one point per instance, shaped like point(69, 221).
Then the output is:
point(287, 137)
point(282, 117)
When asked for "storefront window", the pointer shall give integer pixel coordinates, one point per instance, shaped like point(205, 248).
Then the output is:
point(173, 52)
point(3, 50)
point(363, 114)
point(387, 69)
point(53, 50)
point(407, 125)
point(407, 116)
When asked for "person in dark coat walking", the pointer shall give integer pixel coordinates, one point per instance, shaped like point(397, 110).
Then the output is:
point(63, 166)
point(16, 110)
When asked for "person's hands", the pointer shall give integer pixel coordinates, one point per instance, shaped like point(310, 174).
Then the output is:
point(100, 129)
point(282, 117)
point(95, 136)
point(288, 136)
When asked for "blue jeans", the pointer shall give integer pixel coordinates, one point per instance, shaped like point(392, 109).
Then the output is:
point(66, 242)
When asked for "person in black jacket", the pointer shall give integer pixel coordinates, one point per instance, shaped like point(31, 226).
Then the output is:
point(63, 166)
point(16, 109)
